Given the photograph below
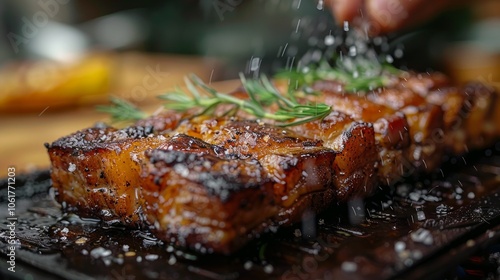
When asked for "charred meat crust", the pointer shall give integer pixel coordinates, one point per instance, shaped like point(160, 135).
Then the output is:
point(216, 200)
point(97, 172)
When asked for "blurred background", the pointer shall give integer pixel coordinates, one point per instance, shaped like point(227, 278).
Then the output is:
point(59, 58)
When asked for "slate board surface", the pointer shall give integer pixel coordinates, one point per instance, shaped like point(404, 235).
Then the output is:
point(442, 225)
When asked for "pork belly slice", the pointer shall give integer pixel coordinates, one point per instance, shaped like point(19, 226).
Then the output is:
point(390, 126)
point(203, 197)
point(425, 124)
point(354, 166)
point(471, 115)
point(96, 172)
point(357, 158)
point(198, 195)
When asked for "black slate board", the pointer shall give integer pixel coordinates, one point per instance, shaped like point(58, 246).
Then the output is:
point(442, 225)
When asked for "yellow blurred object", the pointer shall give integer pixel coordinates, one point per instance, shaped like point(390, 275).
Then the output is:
point(467, 62)
point(34, 86)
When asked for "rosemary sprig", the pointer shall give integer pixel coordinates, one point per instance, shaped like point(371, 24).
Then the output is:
point(262, 95)
point(121, 110)
point(263, 100)
point(357, 75)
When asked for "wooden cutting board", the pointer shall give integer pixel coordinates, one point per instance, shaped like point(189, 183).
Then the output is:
point(23, 135)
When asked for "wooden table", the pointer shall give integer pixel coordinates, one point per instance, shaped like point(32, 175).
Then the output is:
point(23, 135)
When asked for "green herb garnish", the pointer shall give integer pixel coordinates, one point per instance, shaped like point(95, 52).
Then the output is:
point(262, 95)
point(122, 111)
point(263, 100)
point(357, 75)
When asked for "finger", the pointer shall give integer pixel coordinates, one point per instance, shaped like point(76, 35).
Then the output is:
point(345, 10)
point(390, 15)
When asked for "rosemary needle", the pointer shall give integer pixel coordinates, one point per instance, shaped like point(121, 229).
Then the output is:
point(121, 110)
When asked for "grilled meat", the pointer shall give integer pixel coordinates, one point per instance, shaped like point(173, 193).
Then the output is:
point(96, 172)
point(204, 197)
point(213, 183)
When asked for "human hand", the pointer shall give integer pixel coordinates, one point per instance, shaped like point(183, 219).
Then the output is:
point(384, 16)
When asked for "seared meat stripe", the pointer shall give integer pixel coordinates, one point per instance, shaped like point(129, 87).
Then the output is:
point(213, 183)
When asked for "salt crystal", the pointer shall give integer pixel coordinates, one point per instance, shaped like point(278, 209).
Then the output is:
point(72, 167)
point(248, 265)
point(268, 269)
point(329, 40)
point(100, 252)
point(415, 196)
point(420, 215)
point(151, 257)
point(349, 266)
point(346, 25)
point(422, 236)
point(399, 246)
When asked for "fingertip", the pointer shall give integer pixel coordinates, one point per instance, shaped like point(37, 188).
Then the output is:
point(390, 15)
point(385, 15)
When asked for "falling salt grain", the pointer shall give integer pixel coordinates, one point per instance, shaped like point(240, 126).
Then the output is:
point(151, 257)
point(138, 259)
point(398, 53)
point(420, 215)
point(417, 255)
point(248, 265)
point(415, 196)
point(389, 59)
point(172, 260)
point(349, 266)
point(399, 246)
point(471, 195)
point(352, 50)
point(422, 236)
point(346, 25)
point(72, 167)
point(255, 64)
point(408, 262)
point(297, 233)
point(329, 40)
point(268, 269)
point(100, 252)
